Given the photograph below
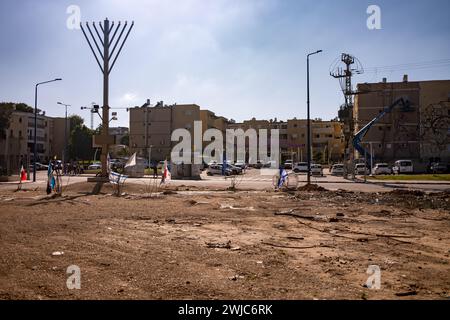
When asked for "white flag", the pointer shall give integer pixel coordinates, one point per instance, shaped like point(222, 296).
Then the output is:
point(166, 176)
point(108, 163)
point(131, 162)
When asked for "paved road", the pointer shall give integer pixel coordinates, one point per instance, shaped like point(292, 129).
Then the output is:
point(257, 180)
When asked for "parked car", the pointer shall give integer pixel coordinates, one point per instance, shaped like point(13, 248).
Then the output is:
point(241, 164)
point(211, 163)
point(337, 169)
point(257, 165)
point(271, 164)
point(403, 166)
point(39, 166)
point(381, 168)
point(301, 167)
point(316, 170)
point(288, 164)
point(438, 167)
point(95, 166)
point(361, 169)
point(235, 169)
point(216, 169)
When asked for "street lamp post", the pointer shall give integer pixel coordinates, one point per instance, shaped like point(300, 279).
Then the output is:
point(35, 124)
point(308, 116)
point(65, 137)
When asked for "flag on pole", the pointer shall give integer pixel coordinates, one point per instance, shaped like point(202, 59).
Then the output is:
point(166, 176)
point(131, 162)
point(23, 174)
point(108, 163)
point(51, 179)
point(283, 176)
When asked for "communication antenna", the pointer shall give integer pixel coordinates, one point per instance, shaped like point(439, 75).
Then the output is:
point(344, 74)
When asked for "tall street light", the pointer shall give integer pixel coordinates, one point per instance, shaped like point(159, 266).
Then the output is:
point(65, 137)
point(35, 124)
point(308, 117)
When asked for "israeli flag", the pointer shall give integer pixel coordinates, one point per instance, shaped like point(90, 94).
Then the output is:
point(283, 177)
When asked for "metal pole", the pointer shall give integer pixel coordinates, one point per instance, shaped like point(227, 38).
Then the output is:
point(35, 133)
point(308, 124)
point(308, 115)
point(105, 129)
point(65, 142)
point(35, 125)
point(371, 158)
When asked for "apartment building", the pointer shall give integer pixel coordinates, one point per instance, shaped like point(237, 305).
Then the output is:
point(327, 141)
point(19, 140)
point(418, 133)
point(119, 133)
point(151, 127)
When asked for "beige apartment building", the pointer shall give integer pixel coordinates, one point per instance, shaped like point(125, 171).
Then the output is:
point(419, 133)
point(326, 137)
point(19, 140)
point(327, 140)
point(151, 127)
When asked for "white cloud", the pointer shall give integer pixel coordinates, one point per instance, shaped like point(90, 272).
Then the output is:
point(129, 98)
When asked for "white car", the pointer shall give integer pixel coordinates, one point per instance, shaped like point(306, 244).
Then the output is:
point(381, 168)
point(301, 167)
point(337, 169)
point(217, 169)
point(361, 169)
point(316, 170)
point(403, 166)
point(241, 164)
point(288, 164)
point(271, 164)
point(95, 166)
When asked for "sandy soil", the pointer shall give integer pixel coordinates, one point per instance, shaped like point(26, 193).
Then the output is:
point(194, 244)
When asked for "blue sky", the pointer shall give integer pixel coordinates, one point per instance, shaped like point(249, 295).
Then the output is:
point(238, 58)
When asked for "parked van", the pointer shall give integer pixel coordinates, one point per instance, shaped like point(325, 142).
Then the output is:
point(403, 166)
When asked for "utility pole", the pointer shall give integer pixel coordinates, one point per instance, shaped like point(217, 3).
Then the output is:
point(35, 123)
point(308, 116)
point(106, 56)
point(352, 66)
point(65, 138)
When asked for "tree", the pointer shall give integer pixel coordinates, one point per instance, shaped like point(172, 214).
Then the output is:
point(80, 139)
point(125, 140)
point(6, 109)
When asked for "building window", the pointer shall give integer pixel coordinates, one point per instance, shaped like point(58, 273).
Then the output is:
point(20, 120)
point(317, 135)
point(188, 112)
point(295, 125)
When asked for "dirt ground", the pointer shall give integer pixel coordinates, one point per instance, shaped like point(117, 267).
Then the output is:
point(201, 244)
